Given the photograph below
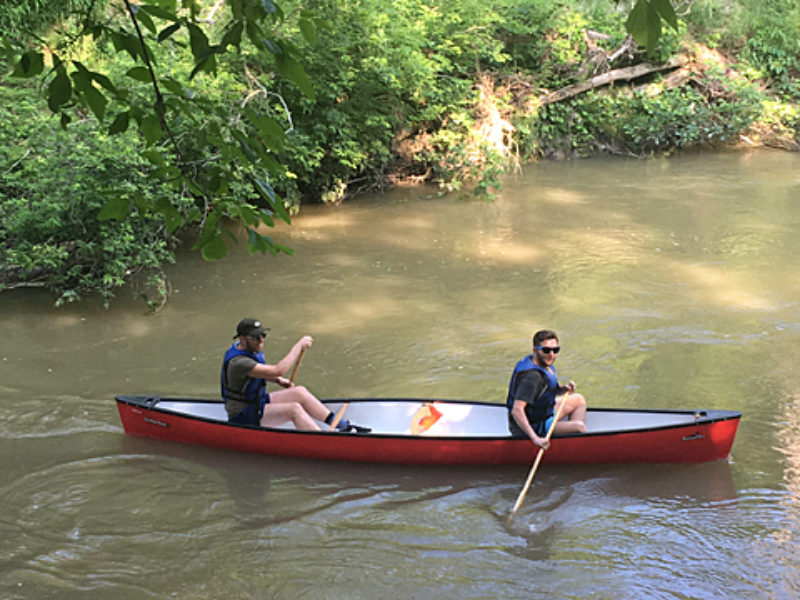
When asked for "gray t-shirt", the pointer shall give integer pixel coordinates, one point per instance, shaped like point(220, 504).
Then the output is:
point(529, 386)
point(238, 368)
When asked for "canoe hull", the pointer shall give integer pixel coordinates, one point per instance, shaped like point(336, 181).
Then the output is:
point(706, 437)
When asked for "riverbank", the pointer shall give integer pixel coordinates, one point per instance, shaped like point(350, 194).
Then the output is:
point(457, 99)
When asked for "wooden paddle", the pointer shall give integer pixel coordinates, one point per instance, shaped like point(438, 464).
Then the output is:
point(338, 416)
point(297, 365)
point(539, 456)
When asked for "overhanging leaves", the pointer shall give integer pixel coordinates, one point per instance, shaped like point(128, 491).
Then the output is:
point(291, 69)
point(198, 41)
point(115, 208)
point(139, 74)
point(60, 90)
point(96, 101)
point(644, 21)
point(172, 218)
point(309, 31)
point(257, 242)
point(214, 249)
point(30, 64)
point(268, 194)
point(666, 12)
point(120, 123)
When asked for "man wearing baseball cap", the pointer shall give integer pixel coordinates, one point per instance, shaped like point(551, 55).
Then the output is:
point(244, 380)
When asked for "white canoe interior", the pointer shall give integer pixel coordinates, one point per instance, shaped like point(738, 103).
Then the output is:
point(447, 418)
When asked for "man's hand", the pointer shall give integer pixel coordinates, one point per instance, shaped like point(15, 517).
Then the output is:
point(283, 382)
point(541, 442)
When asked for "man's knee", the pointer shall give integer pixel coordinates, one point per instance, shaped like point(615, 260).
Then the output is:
point(573, 427)
point(300, 392)
point(296, 410)
point(578, 401)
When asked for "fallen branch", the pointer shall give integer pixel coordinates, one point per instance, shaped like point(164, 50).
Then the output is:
point(625, 74)
point(673, 80)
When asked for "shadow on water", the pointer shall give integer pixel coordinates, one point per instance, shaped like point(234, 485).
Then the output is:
point(569, 501)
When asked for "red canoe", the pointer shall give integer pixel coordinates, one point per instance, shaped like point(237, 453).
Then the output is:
point(442, 432)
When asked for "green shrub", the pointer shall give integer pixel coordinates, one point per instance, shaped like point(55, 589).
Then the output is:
point(52, 186)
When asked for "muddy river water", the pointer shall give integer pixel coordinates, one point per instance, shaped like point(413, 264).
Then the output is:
point(672, 282)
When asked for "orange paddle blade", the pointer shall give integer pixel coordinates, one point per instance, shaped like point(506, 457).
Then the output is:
point(424, 418)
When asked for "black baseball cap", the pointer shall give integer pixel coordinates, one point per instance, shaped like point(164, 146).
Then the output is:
point(251, 327)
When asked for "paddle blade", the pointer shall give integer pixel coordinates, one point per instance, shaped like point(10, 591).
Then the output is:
point(425, 418)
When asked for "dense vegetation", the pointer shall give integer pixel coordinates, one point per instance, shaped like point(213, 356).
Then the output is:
point(453, 93)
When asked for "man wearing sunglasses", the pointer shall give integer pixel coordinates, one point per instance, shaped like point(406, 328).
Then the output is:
point(244, 380)
point(534, 391)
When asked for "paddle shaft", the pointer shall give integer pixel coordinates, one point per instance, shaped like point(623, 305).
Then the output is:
point(539, 455)
point(297, 365)
point(338, 416)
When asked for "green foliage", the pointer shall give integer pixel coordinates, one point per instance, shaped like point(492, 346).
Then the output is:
point(644, 21)
point(387, 72)
point(51, 193)
point(653, 119)
point(678, 118)
point(22, 18)
point(156, 54)
point(524, 34)
point(718, 23)
point(773, 45)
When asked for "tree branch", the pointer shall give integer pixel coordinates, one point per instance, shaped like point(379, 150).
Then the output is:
point(159, 105)
point(625, 74)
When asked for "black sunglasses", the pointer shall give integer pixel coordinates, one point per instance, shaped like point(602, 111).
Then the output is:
point(546, 350)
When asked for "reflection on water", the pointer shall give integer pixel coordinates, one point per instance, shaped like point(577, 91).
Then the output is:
point(394, 526)
point(674, 283)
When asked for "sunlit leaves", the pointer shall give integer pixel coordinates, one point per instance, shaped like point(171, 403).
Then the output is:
point(151, 101)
